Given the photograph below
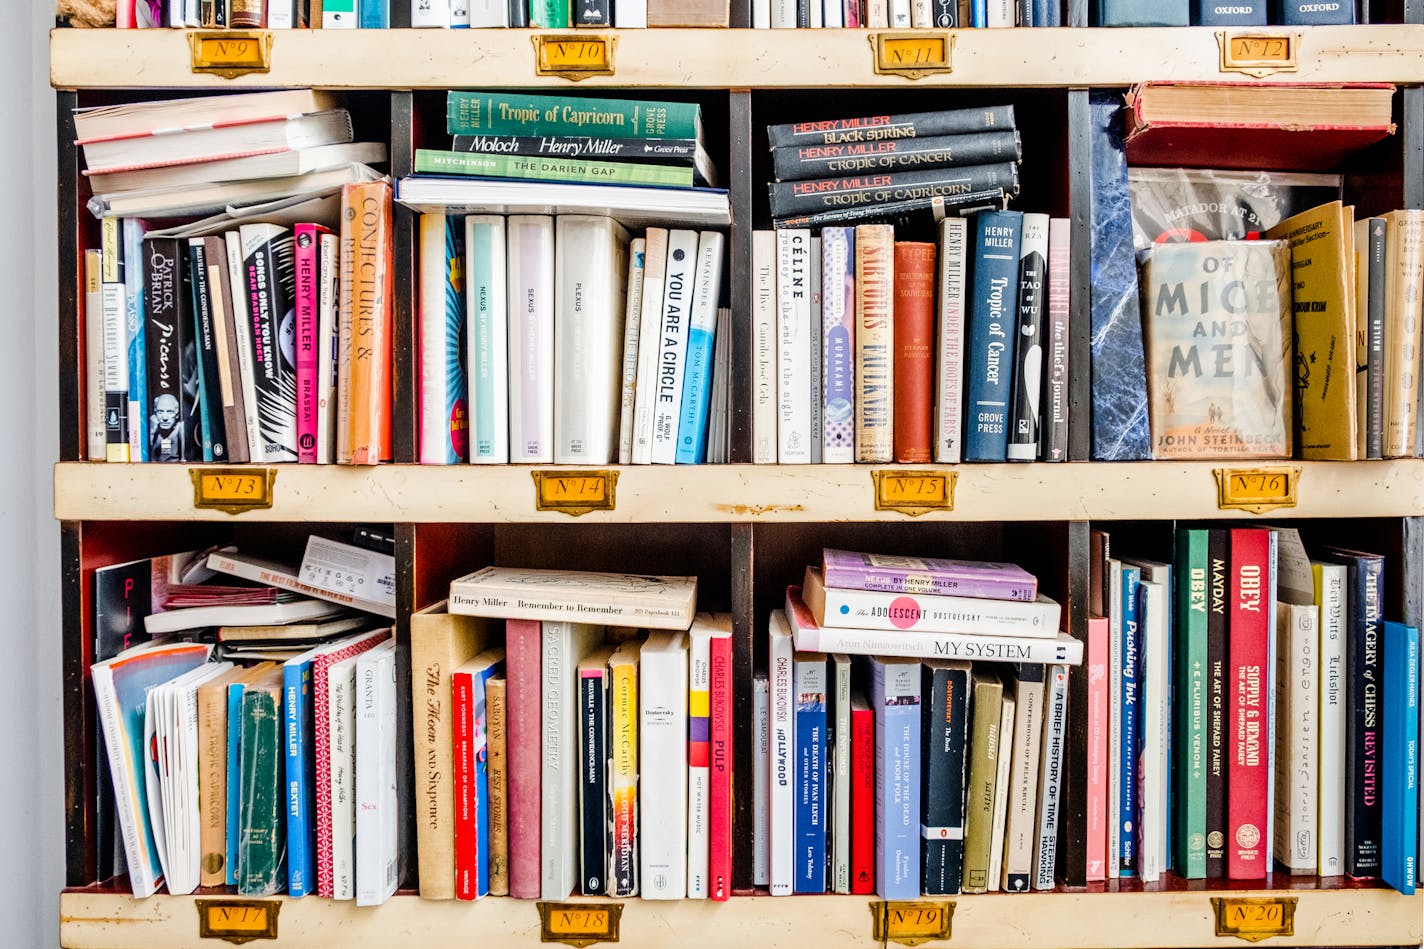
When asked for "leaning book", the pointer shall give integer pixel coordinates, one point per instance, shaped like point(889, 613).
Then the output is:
point(615, 599)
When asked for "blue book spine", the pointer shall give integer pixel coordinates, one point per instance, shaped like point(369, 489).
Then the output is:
point(1313, 12)
point(696, 394)
point(134, 323)
point(301, 837)
point(810, 732)
point(375, 14)
point(482, 799)
point(1228, 12)
point(1127, 815)
point(993, 321)
point(1142, 13)
point(234, 777)
point(895, 695)
point(1118, 379)
point(978, 13)
point(1047, 13)
point(1400, 841)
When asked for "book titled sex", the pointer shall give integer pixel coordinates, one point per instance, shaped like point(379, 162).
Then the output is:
point(993, 307)
point(662, 751)
point(872, 609)
point(945, 741)
point(530, 250)
point(790, 198)
point(895, 698)
point(1026, 408)
point(914, 351)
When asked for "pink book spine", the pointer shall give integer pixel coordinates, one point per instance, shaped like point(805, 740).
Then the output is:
point(524, 755)
point(1248, 761)
point(321, 665)
point(307, 260)
point(719, 794)
point(1097, 749)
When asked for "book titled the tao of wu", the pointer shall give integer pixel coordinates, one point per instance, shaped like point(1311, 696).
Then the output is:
point(1218, 324)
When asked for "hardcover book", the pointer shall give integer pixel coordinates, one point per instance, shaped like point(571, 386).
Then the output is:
point(1248, 743)
point(886, 127)
point(930, 575)
point(827, 194)
point(499, 113)
point(944, 703)
point(872, 609)
point(576, 596)
point(262, 841)
point(984, 751)
point(650, 344)
point(809, 723)
point(1228, 12)
point(1053, 426)
point(1330, 830)
point(1404, 281)
point(1026, 407)
point(551, 168)
point(914, 334)
point(895, 699)
point(1312, 12)
point(820, 160)
point(1141, 12)
point(365, 327)
point(1297, 745)
point(699, 708)
point(1217, 636)
point(564, 645)
point(531, 338)
point(949, 401)
point(487, 338)
point(470, 736)
point(793, 334)
point(1400, 796)
point(695, 409)
point(992, 325)
point(662, 751)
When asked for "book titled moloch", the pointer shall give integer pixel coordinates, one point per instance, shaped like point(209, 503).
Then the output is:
point(1217, 321)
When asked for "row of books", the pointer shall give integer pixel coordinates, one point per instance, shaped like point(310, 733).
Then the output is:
point(871, 350)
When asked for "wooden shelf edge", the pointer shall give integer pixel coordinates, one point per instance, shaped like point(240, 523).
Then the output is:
point(738, 493)
point(1371, 916)
point(723, 59)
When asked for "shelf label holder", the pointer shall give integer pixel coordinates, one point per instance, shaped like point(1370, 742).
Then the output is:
point(1259, 54)
point(574, 56)
point(1257, 490)
point(237, 921)
point(231, 53)
point(232, 490)
point(575, 492)
point(1254, 918)
point(912, 491)
point(579, 924)
point(910, 922)
point(913, 55)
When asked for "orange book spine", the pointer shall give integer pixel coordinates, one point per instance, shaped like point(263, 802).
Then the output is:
point(367, 292)
point(914, 351)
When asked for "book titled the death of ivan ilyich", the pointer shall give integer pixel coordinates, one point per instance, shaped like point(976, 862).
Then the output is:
point(552, 595)
point(1218, 325)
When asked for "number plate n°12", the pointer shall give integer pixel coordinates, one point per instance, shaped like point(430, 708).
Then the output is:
point(1259, 54)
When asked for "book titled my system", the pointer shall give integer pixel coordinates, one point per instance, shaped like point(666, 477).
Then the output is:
point(611, 598)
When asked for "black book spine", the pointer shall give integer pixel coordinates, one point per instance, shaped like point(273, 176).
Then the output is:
point(881, 127)
point(1053, 436)
point(946, 14)
point(210, 404)
point(518, 13)
point(597, 14)
point(188, 362)
point(593, 780)
point(163, 335)
point(828, 194)
point(800, 162)
point(910, 214)
point(945, 722)
point(1028, 348)
point(1228, 12)
point(1363, 724)
point(1374, 379)
point(803, 14)
point(1218, 559)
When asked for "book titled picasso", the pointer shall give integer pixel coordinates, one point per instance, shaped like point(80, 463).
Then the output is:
point(575, 596)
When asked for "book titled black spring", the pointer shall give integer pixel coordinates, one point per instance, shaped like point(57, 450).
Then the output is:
point(1217, 630)
point(790, 198)
point(916, 211)
point(880, 127)
point(171, 355)
point(212, 428)
point(798, 162)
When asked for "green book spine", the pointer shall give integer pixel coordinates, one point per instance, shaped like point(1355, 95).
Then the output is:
point(983, 772)
point(1190, 707)
point(549, 14)
point(498, 113)
point(538, 168)
point(262, 842)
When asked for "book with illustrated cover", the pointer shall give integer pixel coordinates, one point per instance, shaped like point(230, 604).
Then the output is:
point(621, 872)
point(444, 404)
point(1194, 204)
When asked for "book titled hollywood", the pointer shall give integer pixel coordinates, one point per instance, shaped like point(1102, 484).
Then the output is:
point(894, 574)
point(617, 599)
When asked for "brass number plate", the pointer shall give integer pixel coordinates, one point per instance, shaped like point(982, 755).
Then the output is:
point(1257, 490)
point(914, 492)
point(575, 492)
point(579, 924)
point(574, 56)
point(913, 55)
point(233, 490)
point(910, 922)
point(231, 53)
point(1259, 54)
point(237, 921)
point(1254, 919)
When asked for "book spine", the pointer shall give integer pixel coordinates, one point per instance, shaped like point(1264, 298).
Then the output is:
point(949, 413)
point(262, 836)
point(944, 708)
point(466, 825)
point(814, 347)
point(873, 609)
point(367, 290)
point(190, 388)
point(549, 14)
point(306, 258)
point(280, 14)
point(761, 774)
point(1098, 727)
point(1125, 821)
point(1378, 268)
point(671, 352)
point(267, 260)
point(234, 781)
point(1026, 388)
point(991, 343)
point(1020, 830)
point(799, 162)
point(131, 232)
point(1248, 760)
point(650, 323)
point(1233, 13)
point(443, 418)
point(1191, 702)
point(874, 342)
point(1154, 766)
point(696, 406)
point(336, 875)
point(662, 772)
point(838, 345)
point(782, 826)
point(1312, 13)
point(212, 783)
point(916, 213)
point(430, 14)
point(375, 795)
point(525, 743)
point(497, 707)
point(1362, 678)
point(699, 726)
point(1400, 784)
point(487, 339)
point(630, 14)
point(1053, 434)
point(764, 348)
point(896, 696)
point(985, 748)
point(229, 373)
point(335, 14)
point(913, 370)
point(470, 113)
point(1405, 273)
point(622, 873)
point(722, 694)
point(1142, 13)
point(862, 799)
point(1000, 13)
point(93, 356)
point(838, 822)
point(531, 339)
point(296, 687)
point(881, 127)
point(593, 780)
point(1050, 778)
point(558, 782)
point(810, 772)
point(1217, 637)
point(1296, 766)
point(547, 168)
point(945, 15)
point(637, 252)
point(793, 328)
point(595, 14)
point(825, 194)
point(1330, 830)
point(165, 336)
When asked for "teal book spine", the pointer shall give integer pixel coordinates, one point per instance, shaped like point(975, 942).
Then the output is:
point(234, 777)
point(499, 113)
point(1399, 843)
point(262, 840)
point(1189, 746)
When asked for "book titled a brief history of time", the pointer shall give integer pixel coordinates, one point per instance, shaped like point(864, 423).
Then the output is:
point(618, 599)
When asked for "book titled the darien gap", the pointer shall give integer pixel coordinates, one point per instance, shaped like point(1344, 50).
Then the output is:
point(550, 168)
point(897, 574)
point(617, 599)
point(514, 113)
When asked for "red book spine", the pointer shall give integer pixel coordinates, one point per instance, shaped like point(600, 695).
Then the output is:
point(1249, 766)
point(719, 793)
point(524, 755)
point(862, 799)
point(914, 351)
point(466, 825)
point(1098, 725)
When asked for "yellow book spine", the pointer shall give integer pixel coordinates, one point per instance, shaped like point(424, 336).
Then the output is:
point(623, 772)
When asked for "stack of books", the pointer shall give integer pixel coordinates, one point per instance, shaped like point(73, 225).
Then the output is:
point(905, 14)
point(1225, 12)
point(448, 14)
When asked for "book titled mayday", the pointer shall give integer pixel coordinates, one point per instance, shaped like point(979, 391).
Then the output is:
point(617, 599)
point(894, 574)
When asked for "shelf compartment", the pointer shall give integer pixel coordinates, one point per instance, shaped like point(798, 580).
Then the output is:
point(683, 58)
point(1349, 915)
point(740, 493)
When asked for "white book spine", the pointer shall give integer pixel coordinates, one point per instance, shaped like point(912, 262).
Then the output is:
point(761, 14)
point(672, 343)
point(662, 758)
point(764, 405)
point(531, 339)
point(1153, 698)
point(341, 720)
point(813, 326)
point(563, 645)
point(434, 379)
point(1114, 716)
point(280, 15)
point(632, 321)
point(326, 342)
point(242, 323)
point(93, 359)
point(487, 13)
point(649, 325)
point(920, 15)
point(1331, 789)
point(815, 15)
point(1297, 763)
point(1050, 776)
point(783, 14)
point(630, 14)
point(589, 295)
point(390, 795)
point(487, 338)
point(782, 827)
point(834, 14)
point(375, 771)
point(949, 414)
point(1007, 741)
point(837, 392)
point(840, 778)
point(460, 14)
point(339, 19)
point(793, 370)
point(1000, 13)
point(761, 829)
point(699, 683)
point(430, 14)
point(114, 303)
point(900, 14)
point(1023, 787)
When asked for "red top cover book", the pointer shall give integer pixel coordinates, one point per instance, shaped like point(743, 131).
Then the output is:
point(1248, 756)
point(914, 351)
point(524, 755)
point(1259, 126)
